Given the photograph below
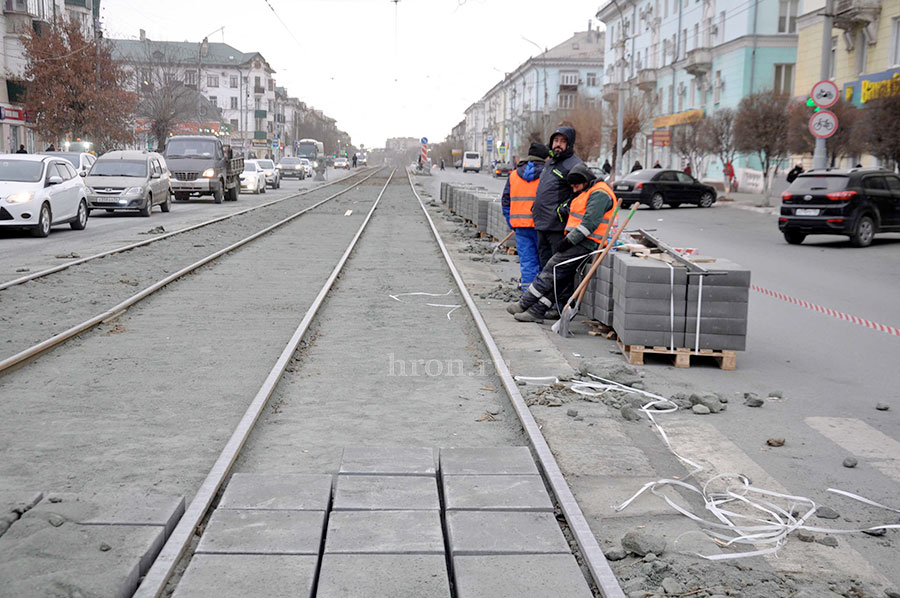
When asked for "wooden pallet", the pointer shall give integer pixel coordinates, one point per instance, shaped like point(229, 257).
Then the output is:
point(600, 329)
point(635, 355)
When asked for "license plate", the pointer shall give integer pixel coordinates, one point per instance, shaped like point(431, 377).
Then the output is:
point(622, 187)
point(806, 212)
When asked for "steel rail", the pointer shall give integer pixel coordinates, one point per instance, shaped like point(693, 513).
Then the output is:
point(119, 308)
point(124, 248)
point(154, 583)
point(601, 572)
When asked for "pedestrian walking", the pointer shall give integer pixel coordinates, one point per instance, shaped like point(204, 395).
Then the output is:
point(793, 173)
point(553, 194)
point(21, 150)
point(607, 167)
point(50, 148)
point(589, 220)
point(637, 166)
point(354, 160)
point(687, 170)
point(517, 202)
point(442, 164)
point(657, 165)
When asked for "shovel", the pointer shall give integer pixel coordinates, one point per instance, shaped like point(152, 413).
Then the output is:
point(568, 314)
point(500, 244)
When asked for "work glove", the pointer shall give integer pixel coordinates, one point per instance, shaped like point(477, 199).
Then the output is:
point(562, 210)
point(564, 245)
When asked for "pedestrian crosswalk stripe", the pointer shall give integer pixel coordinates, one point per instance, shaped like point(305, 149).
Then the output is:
point(856, 436)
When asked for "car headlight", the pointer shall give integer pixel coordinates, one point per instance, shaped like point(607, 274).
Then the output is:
point(298, 166)
point(22, 197)
point(316, 164)
point(209, 173)
point(134, 191)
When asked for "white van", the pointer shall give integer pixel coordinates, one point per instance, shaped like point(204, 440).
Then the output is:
point(471, 161)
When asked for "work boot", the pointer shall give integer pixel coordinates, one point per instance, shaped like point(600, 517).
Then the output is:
point(529, 316)
point(551, 314)
point(515, 308)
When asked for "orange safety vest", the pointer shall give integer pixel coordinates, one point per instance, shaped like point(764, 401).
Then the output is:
point(578, 206)
point(521, 200)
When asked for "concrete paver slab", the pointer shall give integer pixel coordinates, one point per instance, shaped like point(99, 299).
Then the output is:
point(388, 461)
point(262, 532)
point(486, 461)
point(519, 576)
point(111, 508)
point(504, 532)
point(245, 575)
point(384, 532)
point(373, 493)
point(43, 555)
point(292, 492)
point(383, 576)
point(496, 492)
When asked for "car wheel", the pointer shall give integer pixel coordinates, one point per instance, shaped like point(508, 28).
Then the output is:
point(219, 194)
point(706, 200)
point(42, 228)
point(233, 193)
point(657, 201)
point(81, 218)
point(148, 207)
point(263, 190)
point(794, 237)
point(166, 205)
point(864, 232)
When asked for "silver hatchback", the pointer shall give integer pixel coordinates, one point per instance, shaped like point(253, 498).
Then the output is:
point(129, 180)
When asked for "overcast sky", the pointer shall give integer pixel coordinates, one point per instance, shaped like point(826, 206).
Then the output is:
point(378, 76)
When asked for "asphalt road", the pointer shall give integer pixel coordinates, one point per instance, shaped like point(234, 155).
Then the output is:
point(107, 231)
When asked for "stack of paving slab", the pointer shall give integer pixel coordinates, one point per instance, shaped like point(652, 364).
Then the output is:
point(497, 226)
point(598, 299)
point(480, 208)
point(656, 304)
point(445, 191)
point(81, 544)
point(455, 194)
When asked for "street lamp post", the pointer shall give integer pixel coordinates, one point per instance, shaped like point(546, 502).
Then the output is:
point(202, 49)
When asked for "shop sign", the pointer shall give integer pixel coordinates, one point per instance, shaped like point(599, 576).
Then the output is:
point(11, 113)
point(885, 84)
point(662, 138)
point(681, 118)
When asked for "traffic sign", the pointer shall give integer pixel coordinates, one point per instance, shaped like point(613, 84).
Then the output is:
point(424, 140)
point(823, 124)
point(824, 94)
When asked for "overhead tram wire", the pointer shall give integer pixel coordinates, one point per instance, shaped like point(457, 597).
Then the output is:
point(277, 16)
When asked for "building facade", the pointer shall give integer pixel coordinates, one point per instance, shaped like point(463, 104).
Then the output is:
point(684, 59)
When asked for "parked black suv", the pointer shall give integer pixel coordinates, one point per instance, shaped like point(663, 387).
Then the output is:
point(858, 202)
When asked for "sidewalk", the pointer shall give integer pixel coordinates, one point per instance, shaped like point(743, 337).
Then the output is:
point(755, 202)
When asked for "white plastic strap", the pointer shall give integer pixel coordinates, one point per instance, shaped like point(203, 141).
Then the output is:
point(699, 307)
point(671, 306)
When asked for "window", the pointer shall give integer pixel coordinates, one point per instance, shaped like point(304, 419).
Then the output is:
point(862, 52)
point(684, 177)
point(214, 101)
point(212, 80)
point(787, 16)
point(566, 101)
point(667, 176)
point(233, 81)
point(875, 182)
point(693, 92)
point(681, 97)
point(833, 57)
point(170, 78)
point(683, 43)
point(256, 82)
point(234, 103)
point(271, 106)
point(568, 78)
point(894, 50)
point(671, 98)
point(717, 88)
point(893, 183)
point(666, 9)
point(592, 79)
point(722, 27)
point(784, 79)
point(234, 124)
point(271, 84)
point(190, 77)
point(696, 35)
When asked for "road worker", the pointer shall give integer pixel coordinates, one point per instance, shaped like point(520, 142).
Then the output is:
point(518, 201)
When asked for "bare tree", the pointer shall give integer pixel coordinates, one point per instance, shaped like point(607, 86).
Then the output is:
point(718, 139)
point(761, 127)
point(587, 119)
point(688, 142)
point(848, 140)
point(881, 128)
point(634, 122)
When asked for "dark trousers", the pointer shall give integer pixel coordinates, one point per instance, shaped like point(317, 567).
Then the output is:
point(539, 296)
point(548, 244)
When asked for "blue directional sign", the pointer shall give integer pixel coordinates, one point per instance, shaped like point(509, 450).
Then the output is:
point(424, 140)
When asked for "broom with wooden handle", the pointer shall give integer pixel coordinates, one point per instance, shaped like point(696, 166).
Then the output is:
point(574, 303)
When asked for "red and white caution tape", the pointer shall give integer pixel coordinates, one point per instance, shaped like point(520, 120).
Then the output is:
point(828, 311)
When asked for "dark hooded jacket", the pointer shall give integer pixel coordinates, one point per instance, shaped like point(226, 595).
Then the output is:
point(553, 190)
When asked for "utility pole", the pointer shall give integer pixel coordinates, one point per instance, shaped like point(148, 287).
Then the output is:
point(620, 118)
point(820, 156)
point(204, 46)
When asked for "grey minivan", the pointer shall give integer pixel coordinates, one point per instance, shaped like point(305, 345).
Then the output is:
point(129, 180)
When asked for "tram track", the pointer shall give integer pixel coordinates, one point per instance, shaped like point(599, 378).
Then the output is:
point(57, 296)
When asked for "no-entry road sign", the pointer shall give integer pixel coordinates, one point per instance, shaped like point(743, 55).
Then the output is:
point(824, 94)
point(823, 124)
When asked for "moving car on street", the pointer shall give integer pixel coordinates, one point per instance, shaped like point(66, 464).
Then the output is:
point(82, 161)
point(129, 180)
point(502, 169)
point(201, 165)
point(273, 175)
point(253, 179)
point(341, 162)
point(291, 167)
point(37, 192)
point(858, 203)
point(307, 165)
point(656, 187)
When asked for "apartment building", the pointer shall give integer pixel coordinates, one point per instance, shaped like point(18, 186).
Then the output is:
point(683, 59)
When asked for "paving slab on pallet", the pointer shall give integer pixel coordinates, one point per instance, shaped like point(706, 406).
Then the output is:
point(262, 532)
point(504, 532)
point(388, 461)
point(519, 576)
point(248, 575)
point(112, 508)
point(384, 532)
point(42, 555)
point(486, 461)
point(292, 492)
point(496, 492)
point(385, 493)
point(383, 576)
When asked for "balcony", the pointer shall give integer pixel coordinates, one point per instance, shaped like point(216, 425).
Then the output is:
point(260, 114)
point(852, 14)
point(611, 92)
point(699, 62)
point(646, 79)
point(42, 10)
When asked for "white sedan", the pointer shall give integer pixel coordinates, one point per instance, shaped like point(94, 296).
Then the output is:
point(308, 166)
point(253, 179)
point(37, 192)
